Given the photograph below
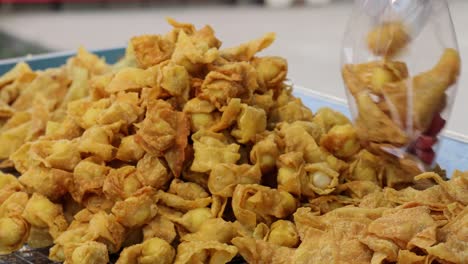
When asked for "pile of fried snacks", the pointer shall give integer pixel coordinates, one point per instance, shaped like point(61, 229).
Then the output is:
point(394, 108)
point(185, 152)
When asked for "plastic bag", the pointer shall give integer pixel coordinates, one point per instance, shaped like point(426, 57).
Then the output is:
point(400, 66)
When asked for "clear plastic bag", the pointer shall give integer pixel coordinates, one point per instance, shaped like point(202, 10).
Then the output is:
point(400, 65)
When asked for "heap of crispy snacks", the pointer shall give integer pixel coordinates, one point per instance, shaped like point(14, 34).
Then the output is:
point(394, 109)
point(187, 153)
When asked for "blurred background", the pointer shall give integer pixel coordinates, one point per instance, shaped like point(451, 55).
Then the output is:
point(309, 32)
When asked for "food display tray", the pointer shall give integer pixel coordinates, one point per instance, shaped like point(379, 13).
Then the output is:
point(453, 150)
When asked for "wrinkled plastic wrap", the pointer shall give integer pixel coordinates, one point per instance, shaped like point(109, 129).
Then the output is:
point(400, 66)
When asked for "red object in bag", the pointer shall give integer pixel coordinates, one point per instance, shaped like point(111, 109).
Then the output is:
point(436, 126)
point(425, 142)
point(427, 156)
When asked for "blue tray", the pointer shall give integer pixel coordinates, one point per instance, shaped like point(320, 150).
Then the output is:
point(453, 152)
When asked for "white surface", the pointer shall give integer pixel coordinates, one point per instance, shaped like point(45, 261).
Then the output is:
point(309, 37)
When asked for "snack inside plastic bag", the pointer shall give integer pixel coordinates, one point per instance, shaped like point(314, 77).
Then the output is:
point(400, 66)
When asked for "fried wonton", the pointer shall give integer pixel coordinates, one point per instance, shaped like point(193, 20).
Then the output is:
point(238, 79)
point(387, 39)
point(374, 125)
point(254, 203)
point(211, 149)
point(207, 251)
point(225, 177)
point(151, 50)
point(136, 210)
point(151, 171)
point(246, 51)
point(42, 213)
point(168, 138)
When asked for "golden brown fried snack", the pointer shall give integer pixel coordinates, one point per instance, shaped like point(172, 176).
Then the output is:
point(9, 184)
point(136, 210)
point(211, 149)
point(187, 190)
point(373, 75)
point(66, 129)
point(254, 203)
point(14, 82)
point(388, 39)
point(87, 252)
point(321, 178)
point(218, 205)
point(291, 174)
point(89, 61)
point(121, 183)
point(342, 141)
point(318, 232)
point(14, 229)
point(104, 227)
point(85, 113)
point(229, 115)
point(17, 119)
point(151, 50)
point(14, 232)
point(225, 177)
point(78, 89)
point(193, 219)
point(250, 122)
point(152, 172)
point(297, 139)
point(453, 241)
point(161, 227)
point(374, 125)
point(15, 73)
point(232, 80)
point(213, 229)
point(44, 94)
point(11, 139)
point(325, 203)
point(396, 225)
point(42, 213)
point(52, 183)
point(327, 118)
point(271, 71)
point(97, 141)
point(206, 251)
point(129, 150)
point(50, 84)
point(290, 112)
point(201, 114)
point(88, 178)
point(246, 51)
point(124, 108)
point(283, 233)
point(154, 250)
point(74, 234)
point(265, 153)
point(59, 154)
point(193, 51)
point(14, 205)
point(429, 88)
point(264, 100)
point(358, 189)
point(258, 251)
point(175, 80)
point(181, 204)
point(168, 138)
point(129, 78)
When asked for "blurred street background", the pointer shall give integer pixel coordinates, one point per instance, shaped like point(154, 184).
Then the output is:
point(309, 32)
